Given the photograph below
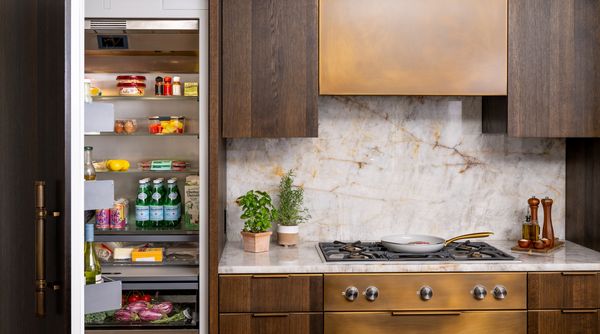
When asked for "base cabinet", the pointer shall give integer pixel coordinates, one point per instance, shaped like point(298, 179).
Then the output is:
point(563, 322)
point(268, 323)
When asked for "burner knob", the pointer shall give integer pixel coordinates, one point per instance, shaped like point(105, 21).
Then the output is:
point(500, 292)
point(426, 293)
point(351, 293)
point(371, 293)
point(479, 292)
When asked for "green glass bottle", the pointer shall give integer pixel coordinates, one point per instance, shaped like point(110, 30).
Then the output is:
point(157, 210)
point(172, 204)
point(142, 204)
point(91, 265)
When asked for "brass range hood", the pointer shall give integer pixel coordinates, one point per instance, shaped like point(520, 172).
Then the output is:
point(158, 45)
point(413, 47)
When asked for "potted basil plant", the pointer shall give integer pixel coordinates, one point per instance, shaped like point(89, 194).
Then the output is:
point(291, 211)
point(258, 212)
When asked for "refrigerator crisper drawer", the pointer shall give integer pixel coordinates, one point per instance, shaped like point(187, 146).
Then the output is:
point(102, 297)
point(182, 318)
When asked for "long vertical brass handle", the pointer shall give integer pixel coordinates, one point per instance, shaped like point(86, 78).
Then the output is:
point(40, 256)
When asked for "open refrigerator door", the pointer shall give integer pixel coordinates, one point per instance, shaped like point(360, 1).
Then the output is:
point(146, 134)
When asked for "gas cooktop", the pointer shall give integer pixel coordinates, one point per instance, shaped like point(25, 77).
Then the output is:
point(358, 251)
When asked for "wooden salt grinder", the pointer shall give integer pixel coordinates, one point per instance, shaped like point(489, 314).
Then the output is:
point(547, 230)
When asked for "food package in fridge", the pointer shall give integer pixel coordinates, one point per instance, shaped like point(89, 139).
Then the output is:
point(122, 253)
point(163, 165)
point(166, 125)
point(190, 89)
point(191, 216)
point(119, 214)
point(147, 255)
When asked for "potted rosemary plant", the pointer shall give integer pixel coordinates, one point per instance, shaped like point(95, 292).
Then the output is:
point(258, 212)
point(291, 211)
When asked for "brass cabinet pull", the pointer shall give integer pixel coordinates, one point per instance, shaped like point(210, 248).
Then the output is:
point(271, 276)
point(579, 273)
point(579, 311)
point(407, 314)
point(268, 315)
point(40, 256)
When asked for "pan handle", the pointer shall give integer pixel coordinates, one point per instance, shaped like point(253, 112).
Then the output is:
point(469, 236)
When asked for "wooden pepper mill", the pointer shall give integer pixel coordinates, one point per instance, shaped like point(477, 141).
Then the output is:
point(535, 228)
point(547, 230)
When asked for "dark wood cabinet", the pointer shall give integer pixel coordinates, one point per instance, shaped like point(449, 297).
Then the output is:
point(563, 322)
point(267, 323)
point(566, 290)
point(271, 293)
point(553, 71)
point(269, 68)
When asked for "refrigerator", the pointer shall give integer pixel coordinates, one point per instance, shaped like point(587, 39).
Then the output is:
point(128, 116)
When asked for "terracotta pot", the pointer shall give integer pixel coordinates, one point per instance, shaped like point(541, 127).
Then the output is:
point(287, 235)
point(256, 242)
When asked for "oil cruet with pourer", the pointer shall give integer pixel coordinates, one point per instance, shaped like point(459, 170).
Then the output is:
point(535, 227)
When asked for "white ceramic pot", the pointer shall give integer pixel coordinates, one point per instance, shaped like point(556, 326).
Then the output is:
point(287, 235)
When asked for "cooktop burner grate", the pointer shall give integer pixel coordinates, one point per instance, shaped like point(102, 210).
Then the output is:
point(357, 251)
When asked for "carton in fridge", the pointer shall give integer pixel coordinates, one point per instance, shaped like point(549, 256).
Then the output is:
point(191, 217)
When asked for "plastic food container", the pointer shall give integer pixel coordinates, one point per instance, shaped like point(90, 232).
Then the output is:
point(138, 79)
point(131, 89)
point(125, 126)
point(163, 165)
point(162, 125)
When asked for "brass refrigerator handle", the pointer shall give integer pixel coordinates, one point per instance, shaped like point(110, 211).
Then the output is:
point(425, 313)
point(41, 284)
point(40, 256)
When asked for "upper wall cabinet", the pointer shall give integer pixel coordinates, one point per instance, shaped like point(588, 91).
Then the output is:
point(270, 68)
point(413, 47)
point(553, 71)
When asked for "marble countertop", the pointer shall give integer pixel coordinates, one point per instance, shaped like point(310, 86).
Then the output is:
point(305, 258)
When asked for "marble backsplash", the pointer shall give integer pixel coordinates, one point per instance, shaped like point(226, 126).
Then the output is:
point(386, 165)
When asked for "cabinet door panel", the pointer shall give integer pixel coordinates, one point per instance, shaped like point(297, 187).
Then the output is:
point(294, 323)
point(563, 322)
point(270, 293)
point(554, 47)
point(270, 68)
point(569, 290)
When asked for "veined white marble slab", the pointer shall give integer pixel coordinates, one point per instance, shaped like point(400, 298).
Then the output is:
point(305, 259)
point(403, 165)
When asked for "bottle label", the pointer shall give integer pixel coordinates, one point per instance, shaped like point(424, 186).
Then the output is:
point(156, 196)
point(173, 196)
point(99, 279)
point(142, 196)
point(142, 213)
point(156, 213)
point(172, 212)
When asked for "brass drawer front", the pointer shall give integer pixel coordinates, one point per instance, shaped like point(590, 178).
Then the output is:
point(497, 322)
point(450, 291)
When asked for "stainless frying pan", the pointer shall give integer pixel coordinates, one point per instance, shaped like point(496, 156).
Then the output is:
point(418, 243)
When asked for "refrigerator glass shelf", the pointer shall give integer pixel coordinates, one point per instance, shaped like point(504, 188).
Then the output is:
point(144, 98)
point(141, 134)
point(189, 171)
